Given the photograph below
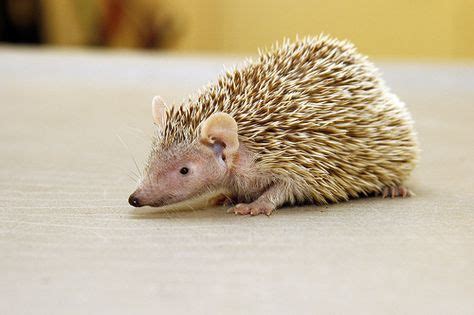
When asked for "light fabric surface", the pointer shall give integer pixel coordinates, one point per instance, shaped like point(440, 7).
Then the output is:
point(70, 244)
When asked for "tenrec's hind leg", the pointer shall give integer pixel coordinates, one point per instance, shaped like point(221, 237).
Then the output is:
point(396, 191)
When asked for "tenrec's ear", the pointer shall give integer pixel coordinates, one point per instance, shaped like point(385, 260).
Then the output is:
point(158, 109)
point(221, 128)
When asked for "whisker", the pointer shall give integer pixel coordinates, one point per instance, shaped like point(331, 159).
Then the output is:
point(130, 152)
point(132, 178)
point(134, 175)
point(139, 134)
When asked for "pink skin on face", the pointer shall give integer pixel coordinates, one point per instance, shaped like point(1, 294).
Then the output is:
point(179, 174)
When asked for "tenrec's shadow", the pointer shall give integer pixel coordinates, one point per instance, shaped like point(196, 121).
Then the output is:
point(220, 213)
point(194, 213)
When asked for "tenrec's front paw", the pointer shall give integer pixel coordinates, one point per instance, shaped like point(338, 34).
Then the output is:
point(254, 208)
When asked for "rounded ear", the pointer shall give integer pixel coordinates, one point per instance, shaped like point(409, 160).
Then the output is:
point(158, 109)
point(221, 129)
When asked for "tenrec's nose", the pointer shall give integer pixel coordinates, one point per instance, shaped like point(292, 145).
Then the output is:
point(134, 201)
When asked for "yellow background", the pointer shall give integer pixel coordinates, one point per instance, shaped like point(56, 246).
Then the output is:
point(390, 29)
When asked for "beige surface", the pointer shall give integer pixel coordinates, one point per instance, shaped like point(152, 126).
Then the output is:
point(70, 244)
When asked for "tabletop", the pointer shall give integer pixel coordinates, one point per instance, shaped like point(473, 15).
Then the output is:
point(72, 123)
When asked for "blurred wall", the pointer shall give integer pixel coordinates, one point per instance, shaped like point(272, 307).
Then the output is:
point(113, 23)
point(400, 29)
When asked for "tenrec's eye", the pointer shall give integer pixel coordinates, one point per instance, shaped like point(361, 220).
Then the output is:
point(184, 170)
